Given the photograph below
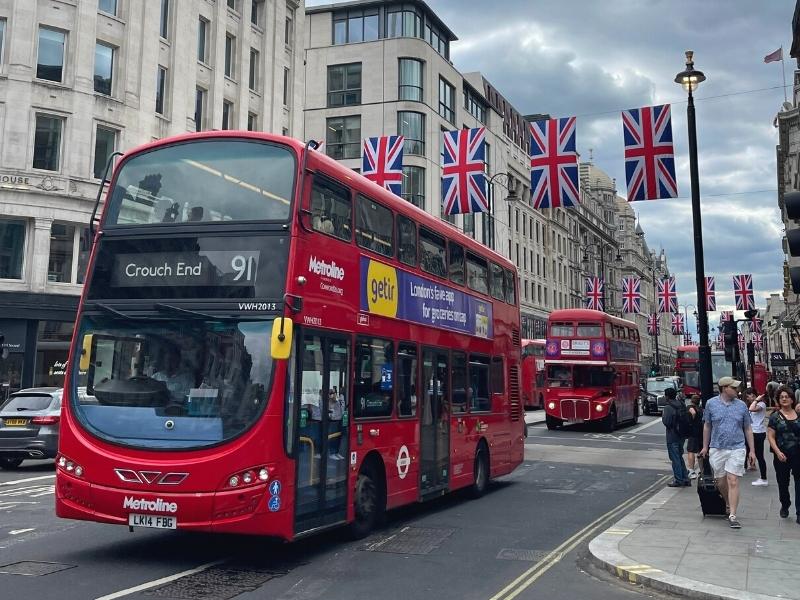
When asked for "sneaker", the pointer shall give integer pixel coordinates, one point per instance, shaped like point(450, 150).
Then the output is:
point(761, 482)
point(675, 484)
point(693, 474)
point(784, 513)
point(798, 520)
point(734, 522)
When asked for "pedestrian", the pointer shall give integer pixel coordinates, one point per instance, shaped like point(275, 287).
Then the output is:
point(784, 441)
point(758, 422)
point(695, 442)
point(676, 421)
point(726, 426)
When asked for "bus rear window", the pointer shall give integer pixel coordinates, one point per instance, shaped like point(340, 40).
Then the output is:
point(589, 330)
point(561, 329)
point(203, 182)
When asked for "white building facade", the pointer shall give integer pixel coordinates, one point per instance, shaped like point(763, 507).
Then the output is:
point(81, 79)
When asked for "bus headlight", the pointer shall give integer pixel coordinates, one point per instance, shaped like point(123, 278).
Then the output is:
point(551, 405)
point(598, 407)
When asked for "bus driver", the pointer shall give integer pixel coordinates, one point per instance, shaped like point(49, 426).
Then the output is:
point(178, 381)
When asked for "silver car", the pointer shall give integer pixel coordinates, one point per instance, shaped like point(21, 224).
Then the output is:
point(29, 422)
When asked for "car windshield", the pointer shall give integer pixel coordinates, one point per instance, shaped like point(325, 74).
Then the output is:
point(173, 384)
point(200, 182)
point(26, 402)
point(658, 386)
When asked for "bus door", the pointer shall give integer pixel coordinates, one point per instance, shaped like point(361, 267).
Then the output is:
point(323, 388)
point(435, 423)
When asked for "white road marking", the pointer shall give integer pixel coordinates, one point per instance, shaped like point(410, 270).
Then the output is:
point(13, 504)
point(157, 582)
point(15, 482)
point(644, 426)
point(32, 490)
point(19, 531)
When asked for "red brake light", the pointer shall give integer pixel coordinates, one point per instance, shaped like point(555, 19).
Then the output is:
point(44, 420)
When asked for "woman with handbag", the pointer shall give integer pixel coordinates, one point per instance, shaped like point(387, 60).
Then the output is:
point(783, 434)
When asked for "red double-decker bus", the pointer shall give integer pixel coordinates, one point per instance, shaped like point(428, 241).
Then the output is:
point(686, 367)
point(533, 373)
point(271, 344)
point(592, 369)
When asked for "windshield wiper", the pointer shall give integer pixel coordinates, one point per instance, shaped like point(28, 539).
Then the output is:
point(160, 307)
point(116, 313)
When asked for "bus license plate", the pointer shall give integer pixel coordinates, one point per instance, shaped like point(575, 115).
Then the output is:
point(154, 521)
point(575, 421)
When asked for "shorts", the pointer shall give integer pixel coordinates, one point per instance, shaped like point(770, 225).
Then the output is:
point(727, 461)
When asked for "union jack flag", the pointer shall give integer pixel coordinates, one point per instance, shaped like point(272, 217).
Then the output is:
point(687, 339)
point(725, 315)
point(757, 325)
point(594, 293)
point(463, 179)
point(721, 341)
point(382, 161)
point(758, 341)
point(743, 292)
point(667, 295)
point(653, 325)
point(677, 324)
point(554, 164)
point(711, 294)
point(741, 341)
point(631, 295)
point(649, 155)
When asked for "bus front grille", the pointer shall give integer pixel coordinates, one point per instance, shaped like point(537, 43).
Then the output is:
point(575, 409)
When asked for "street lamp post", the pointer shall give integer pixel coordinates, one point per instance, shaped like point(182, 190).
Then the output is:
point(601, 251)
point(656, 316)
point(686, 308)
point(690, 79)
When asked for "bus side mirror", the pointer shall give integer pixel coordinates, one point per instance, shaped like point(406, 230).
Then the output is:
point(86, 353)
point(281, 342)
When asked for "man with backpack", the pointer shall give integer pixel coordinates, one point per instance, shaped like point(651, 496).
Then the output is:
point(676, 420)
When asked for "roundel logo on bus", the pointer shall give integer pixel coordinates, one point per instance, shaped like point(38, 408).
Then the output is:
point(551, 348)
point(381, 289)
point(598, 348)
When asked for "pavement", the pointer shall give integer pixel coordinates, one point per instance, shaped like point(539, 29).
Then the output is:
point(532, 417)
point(667, 544)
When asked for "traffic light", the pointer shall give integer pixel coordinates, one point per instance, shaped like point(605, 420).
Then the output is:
point(654, 369)
point(791, 204)
point(731, 337)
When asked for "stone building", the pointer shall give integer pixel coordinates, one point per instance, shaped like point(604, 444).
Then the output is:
point(81, 79)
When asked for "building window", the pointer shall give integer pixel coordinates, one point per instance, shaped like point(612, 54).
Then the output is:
point(286, 82)
point(12, 248)
point(199, 108)
point(253, 80)
point(437, 39)
point(161, 89)
point(164, 27)
point(107, 6)
point(355, 26)
point(414, 186)
point(202, 40)
point(252, 121)
point(62, 246)
point(230, 55)
point(232, 4)
point(344, 85)
point(103, 68)
point(446, 101)
point(410, 78)
point(105, 142)
point(2, 37)
point(47, 142)
point(50, 62)
point(343, 138)
point(288, 31)
point(474, 106)
point(411, 125)
point(256, 8)
point(403, 23)
point(227, 114)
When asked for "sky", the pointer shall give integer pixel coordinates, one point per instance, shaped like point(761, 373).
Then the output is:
point(593, 58)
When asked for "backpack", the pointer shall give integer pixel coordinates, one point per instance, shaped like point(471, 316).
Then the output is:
point(682, 423)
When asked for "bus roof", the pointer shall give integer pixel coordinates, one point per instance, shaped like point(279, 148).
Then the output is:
point(586, 314)
point(346, 177)
point(536, 342)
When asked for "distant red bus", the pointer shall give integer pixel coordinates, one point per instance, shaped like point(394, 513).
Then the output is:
point(686, 361)
point(272, 344)
point(592, 365)
point(533, 373)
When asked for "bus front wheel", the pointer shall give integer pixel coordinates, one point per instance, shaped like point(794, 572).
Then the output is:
point(552, 423)
point(368, 506)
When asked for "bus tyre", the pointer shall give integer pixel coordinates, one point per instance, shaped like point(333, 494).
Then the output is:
point(541, 401)
point(610, 422)
point(367, 502)
point(481, 472)
point(10, 463)
point(552, 423)
point(635, 418)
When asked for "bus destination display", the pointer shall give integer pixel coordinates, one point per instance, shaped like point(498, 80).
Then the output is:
point(186, 269)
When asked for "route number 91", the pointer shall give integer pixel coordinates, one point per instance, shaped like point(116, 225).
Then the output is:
point(243, 266)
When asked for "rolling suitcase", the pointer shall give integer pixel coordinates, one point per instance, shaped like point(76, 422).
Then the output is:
point(711, 501)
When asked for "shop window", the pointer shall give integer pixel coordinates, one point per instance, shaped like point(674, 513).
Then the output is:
point(12, 248)
point(62, 247)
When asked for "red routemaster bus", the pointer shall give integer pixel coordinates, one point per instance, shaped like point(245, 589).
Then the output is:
point(533, 373)
point(592, 369)
point(272, 344)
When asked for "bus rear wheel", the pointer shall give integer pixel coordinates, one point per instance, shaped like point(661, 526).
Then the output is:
point(481, 470)
point(610, 422)
point(552, 423)
point(635, 418)
point(367, 503)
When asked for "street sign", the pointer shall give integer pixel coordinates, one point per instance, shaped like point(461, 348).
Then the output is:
point(777, 356)
point(782, 363)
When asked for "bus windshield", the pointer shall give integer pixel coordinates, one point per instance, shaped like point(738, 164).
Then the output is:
point(691, 378)
point(719, 367)
point(213, 180)
point(173, 384)
point(579, 376)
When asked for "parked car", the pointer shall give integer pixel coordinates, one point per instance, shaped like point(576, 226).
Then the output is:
point(653, 399)
point(29, 423)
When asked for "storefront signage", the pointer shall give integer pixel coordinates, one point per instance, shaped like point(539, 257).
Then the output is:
point(186, 269)
point(46, 183)
point(392, 292)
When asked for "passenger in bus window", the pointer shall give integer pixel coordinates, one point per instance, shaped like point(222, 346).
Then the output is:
point(174, 375)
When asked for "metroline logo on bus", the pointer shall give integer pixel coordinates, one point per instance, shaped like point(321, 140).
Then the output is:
point(392, 292)
point(157, 505)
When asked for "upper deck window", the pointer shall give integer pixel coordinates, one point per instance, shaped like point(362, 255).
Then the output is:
point(374, 227)
point(202, 182)
point(432, 253)
point(590, 330)
point(561, 329)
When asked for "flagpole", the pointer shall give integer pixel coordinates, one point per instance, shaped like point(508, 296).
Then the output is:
point(783, 72)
